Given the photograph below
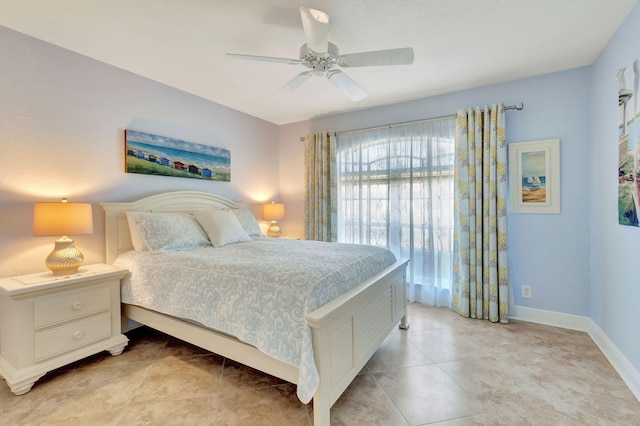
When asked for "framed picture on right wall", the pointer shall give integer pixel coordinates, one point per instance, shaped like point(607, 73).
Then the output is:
point(534, 176)
point(629, 145)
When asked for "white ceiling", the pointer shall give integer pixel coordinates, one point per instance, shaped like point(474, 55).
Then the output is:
point(458, 44)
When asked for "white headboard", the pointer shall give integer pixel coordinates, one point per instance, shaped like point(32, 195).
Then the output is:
point(117, 236)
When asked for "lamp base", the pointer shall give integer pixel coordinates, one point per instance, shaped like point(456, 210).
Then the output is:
point(65, 258)
point(274, 229)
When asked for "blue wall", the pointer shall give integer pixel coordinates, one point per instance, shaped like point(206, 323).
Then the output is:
point(549, 252)
point(615, 249)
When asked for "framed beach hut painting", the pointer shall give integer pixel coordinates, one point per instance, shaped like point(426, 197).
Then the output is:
point(534, 176)
point(160, 155)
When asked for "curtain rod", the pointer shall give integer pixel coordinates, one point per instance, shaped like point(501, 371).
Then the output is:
point(518, 107)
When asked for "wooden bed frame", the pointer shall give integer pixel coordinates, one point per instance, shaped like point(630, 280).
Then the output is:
point(346, 331)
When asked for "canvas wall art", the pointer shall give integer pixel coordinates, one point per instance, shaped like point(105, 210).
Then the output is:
point(159, 155)
point(629, 145)
point(534, 176)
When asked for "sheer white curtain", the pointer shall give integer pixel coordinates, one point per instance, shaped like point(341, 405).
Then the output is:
point(395, 190)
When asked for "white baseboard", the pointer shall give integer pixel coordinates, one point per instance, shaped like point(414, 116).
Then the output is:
point(620, 363)
point(556, 319)
point(625, 369)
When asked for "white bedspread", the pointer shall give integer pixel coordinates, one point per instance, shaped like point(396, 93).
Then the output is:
point(259, 291)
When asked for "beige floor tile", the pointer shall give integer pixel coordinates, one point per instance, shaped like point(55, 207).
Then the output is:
point(102, 418)
point(365, 403)
point(396, 352)
point(91, 389)
point(448, 344)
point(189, 411)
point(445, 370)
point(484, 376)
point(541, 417)
point(425, 394)
point(603, 408)
point(171, 378)
point(269, 406)
point(22, 405)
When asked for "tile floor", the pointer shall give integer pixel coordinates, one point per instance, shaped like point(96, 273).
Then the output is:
point(444, 370)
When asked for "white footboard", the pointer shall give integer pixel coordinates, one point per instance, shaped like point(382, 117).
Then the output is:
point(348, 330)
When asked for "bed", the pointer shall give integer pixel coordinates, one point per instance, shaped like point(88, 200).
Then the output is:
point(343, 331)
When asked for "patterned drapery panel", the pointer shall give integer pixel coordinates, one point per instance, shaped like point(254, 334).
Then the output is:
point(481, 281)
point(320, 187)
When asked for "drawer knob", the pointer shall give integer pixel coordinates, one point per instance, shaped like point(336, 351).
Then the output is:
point(78, 335)
point(77, 306)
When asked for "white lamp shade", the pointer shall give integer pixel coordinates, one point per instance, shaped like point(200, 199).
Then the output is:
point(273, 211)
point(57, 219)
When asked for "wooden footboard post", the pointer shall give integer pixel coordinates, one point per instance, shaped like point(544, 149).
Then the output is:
point(401, 302)
point(404, 322)
point(321, 410)
point(322, 348)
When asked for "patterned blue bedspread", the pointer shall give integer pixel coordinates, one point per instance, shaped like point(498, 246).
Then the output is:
point(259, 291)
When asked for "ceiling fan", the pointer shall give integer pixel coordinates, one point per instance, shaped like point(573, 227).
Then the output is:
point(322, 57)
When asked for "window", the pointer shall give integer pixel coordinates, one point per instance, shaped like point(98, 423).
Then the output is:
point(395, 190)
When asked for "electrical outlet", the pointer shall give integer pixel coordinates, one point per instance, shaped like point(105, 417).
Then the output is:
point(526, 291)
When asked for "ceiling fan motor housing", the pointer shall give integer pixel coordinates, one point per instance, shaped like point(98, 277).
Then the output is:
point(319, 63)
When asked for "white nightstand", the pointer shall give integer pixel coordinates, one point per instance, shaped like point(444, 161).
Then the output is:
point(47, 321)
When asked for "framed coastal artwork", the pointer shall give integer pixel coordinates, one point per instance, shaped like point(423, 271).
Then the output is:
point(534, 176)
point(629, 145)
point(160, 155)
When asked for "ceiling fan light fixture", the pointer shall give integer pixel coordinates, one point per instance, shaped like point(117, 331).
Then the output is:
point(319, 16)
point(316, 29)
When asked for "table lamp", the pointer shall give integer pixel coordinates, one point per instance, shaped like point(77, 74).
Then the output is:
point(62, 219)
point(273, 212)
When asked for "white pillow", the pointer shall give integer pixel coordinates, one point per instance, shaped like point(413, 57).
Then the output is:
point(164, 232)
point(222, 227)
point(136, 236)
point(248, 221)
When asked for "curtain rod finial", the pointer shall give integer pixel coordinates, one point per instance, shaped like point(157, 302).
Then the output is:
point(518, 107)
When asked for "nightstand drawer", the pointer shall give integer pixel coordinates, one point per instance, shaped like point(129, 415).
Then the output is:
point(48, 321)
point(49, 310)
point(79, 333)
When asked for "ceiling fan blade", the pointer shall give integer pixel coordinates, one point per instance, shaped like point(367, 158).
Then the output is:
point(401, 56)
point(266, 58)
point(316, 29)
point(296, 82)
point(349, 87)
